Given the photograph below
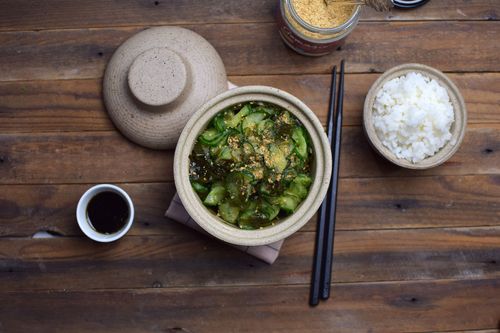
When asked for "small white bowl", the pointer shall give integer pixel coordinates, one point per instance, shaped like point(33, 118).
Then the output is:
point(457, 128)
point(86, 226)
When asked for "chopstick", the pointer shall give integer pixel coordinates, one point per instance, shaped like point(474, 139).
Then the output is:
point(316, 280)
point(323, 254)
point(334, 183)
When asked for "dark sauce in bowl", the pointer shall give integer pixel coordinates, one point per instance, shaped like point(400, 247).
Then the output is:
point(108, 212)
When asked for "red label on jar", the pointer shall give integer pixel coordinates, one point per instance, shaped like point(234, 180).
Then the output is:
point(301, 45)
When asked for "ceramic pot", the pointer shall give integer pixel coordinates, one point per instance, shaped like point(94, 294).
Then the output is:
point(321, 167)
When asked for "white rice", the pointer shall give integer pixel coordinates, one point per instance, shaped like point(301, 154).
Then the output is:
point(412, 116)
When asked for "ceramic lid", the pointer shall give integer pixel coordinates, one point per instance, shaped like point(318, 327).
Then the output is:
point(156, 80)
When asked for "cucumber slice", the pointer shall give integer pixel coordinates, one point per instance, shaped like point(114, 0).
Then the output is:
point(303, 180)
point(219, 122)
point(198, 187)
point(267, 109)
point(248, 184)
point(247, 223)
point(216, 194)
point(229, 212)
point(253, 217)
point(239, 185)
point(299, 137)
point(296, 190)
point(299, 186)
point(276, 159)
point(248, 149)
point(235, 120)
point(265, 126)
point(288, 203)
point(225, 154)
point(236, 155)
point(212, 137)
point(209, 134)
point(289, 175)
point(287, 147)
point(265, 188)
point(253, 119)
point(233, 190)
point(270, 211)
point(248, 177)
point(247, 214)
point(257, 172)
point(215, 151)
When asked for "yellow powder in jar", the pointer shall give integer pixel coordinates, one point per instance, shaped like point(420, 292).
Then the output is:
point(317, 13)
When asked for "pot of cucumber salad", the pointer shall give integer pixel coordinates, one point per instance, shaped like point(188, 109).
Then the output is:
point(252, 166)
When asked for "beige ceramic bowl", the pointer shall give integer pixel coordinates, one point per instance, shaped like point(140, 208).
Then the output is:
point(322, 167)
point(457, 128)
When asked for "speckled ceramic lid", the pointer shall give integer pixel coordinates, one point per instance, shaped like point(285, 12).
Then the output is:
point(156, 80)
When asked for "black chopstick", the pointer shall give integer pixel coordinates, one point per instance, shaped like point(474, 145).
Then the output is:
point(316, 280)
point(332, 199)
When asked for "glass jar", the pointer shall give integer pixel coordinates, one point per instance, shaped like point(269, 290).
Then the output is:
point(310, 40)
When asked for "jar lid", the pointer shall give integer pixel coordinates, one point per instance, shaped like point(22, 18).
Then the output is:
point(408, 4)
point(156, 80)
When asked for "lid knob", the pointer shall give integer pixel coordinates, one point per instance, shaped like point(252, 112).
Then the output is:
point(157, 76)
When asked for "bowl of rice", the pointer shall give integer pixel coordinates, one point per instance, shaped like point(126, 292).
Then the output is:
point(415, 116)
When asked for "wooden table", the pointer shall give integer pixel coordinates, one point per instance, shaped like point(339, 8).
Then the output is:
point(414, 251)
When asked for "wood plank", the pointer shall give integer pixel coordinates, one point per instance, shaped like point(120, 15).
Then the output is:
point(418, 203)
point(377, 203)
point(476, 331)
point(93, 13)
point(481, 92)
point(79, 158)
point(374, 307)
point(257, 49)
point(95, 157)
point(69, 105)
point(27, 209)
point(76, 105)
point(442, 10)
point(169, 260)
point(480, 145)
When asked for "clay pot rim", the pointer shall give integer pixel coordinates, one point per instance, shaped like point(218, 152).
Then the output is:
point(322, 167)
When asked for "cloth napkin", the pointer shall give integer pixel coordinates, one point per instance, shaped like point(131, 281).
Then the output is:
point(267, 253)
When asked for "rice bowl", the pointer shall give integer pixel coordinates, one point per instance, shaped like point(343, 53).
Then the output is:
point(404, 132)
point(412, 116)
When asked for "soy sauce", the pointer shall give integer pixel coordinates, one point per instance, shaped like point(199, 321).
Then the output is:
point(108, 212)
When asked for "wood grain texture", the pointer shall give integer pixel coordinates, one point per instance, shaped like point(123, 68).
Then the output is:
point(87, 157)
point(364, 204)
point(404, 307)
point(94, 157)
point(476, 331)
point(257, 49)
point(41, 106)
point(481, 93)
point(184, 258)
point(93, 13)
point(76, 105)
point(414, 251)
point(26, 209)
